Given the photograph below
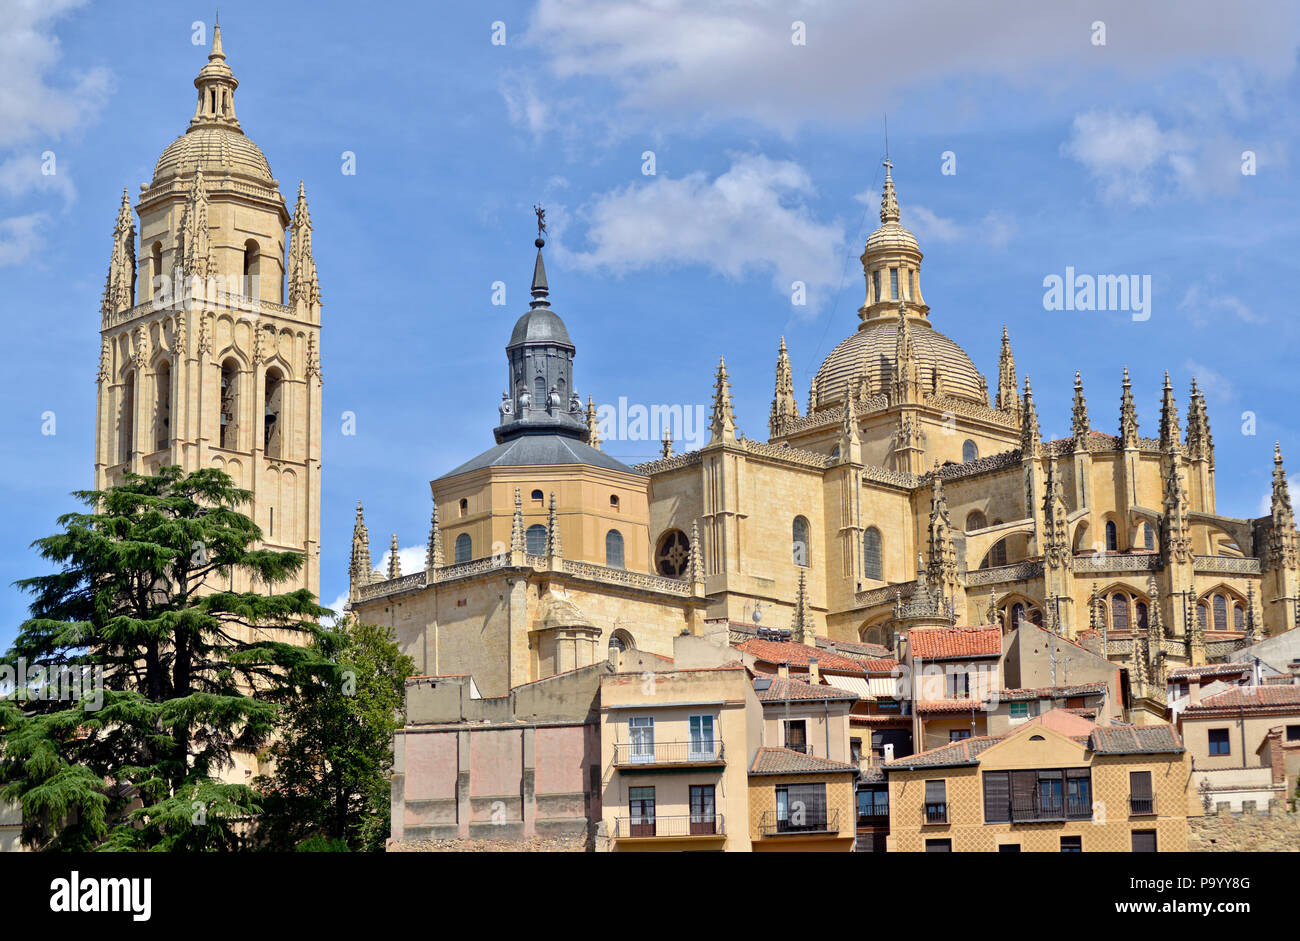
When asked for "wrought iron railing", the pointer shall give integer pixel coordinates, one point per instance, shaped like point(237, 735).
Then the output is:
point(1050, 808)
point(936, 812)
point(698, 751)
point(1142, 806)
point(648, 825)
point(774, 823)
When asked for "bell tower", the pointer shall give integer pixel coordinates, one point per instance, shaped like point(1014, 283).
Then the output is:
point(209, 356)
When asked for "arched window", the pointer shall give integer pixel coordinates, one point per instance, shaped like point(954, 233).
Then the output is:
point(464, 548)
point(1238, 618)
point(535, 539)
point(614, 549)
point(1148, 536)
point(1017, 614)
point(252, 268)
point(229, 405)
point(539, 392)
point(621, 640)
point(537, 497)
point(613, 502)
point(1142, 622)
point(998, 554)
point(1119, 612)
point(126, 421)
point(1112, 536)
point(273, 425)
point(162, 416)
point(673, 554)
point(969, 451)
point(799, 536)
point(872, 563)
point(1202, 615)
point(1220, 613)
point(155, 269)
point(464, 507)
point(975, 520)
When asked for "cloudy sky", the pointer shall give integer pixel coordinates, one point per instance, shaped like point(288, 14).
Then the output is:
point(765, 138)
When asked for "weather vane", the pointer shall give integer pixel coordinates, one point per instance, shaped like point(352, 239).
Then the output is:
point(541, 220)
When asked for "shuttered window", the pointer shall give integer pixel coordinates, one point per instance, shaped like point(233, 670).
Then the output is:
point(936, 792)
point(1023, 786)
point(1144, 841)
point(997, 797)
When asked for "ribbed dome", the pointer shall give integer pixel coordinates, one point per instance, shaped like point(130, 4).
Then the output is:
point(891, 237)
point(541, 325)
point(870, 351)
point(216, 150)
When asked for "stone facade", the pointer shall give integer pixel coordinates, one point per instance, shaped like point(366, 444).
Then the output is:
point(1266, 830)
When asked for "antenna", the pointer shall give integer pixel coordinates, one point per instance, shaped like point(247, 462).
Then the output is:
point(886, 135)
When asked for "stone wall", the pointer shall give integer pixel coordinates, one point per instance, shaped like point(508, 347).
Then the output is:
point(1272, 829)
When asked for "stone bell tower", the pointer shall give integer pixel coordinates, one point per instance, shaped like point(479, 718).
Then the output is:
point(210, 342)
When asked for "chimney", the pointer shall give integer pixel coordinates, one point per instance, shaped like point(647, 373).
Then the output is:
point(814, 674)
point(783, 670)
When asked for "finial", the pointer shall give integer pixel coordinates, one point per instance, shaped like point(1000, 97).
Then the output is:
point(1078, 381)
point(541, 225)
point(888, 198)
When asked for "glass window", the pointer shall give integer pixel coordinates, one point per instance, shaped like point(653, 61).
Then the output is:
point(796, 735)
point(641, 810)
point(535, 539)
point(1119, 612)
point(1020, 710)
point(872, 565)
point(1219, 742)
point(1071, 844)
point(1220, 613)
point(614, 549)
point(703, 744)
point(957, 735)
point(799, 535)
point(464, 548)
point(893, 284)
point(703, 818)
point(1112, 536)
point(1148, 536)
point(641, 738)
point(969, 451)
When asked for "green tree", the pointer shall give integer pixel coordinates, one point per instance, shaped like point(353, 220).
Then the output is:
point(334, 749)
point(192, 671)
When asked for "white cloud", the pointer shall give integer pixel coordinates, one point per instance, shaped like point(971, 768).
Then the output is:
point(411, 559)
point(1266, 501)
point(524, 106)
point(20, 238)
point(729, 58)
point(751, 218)
point(995, 229)
point(1203, 303)
point(1212, 382)
point(1126, 154)
point(337, 607)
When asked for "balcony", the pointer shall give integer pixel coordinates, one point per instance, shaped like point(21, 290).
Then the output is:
point(823, 823)
point(1142, 806)
point(672, 827)
point(1046, 810)
point(644, 756)
point(936, 813)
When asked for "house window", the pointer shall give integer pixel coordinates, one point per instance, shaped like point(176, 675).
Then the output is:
point(1219, 744)
point(1112, 536)
point(641, 738)
point(614, 549)
point(613, 502)
point(1144, 841)
point(1008, 847)
point(872, 565)
point(957, 735)
point(799, 535)
point(1044, 794)
point(535, 539)
point(641, 810)
point(801, 807)
point(936, 802)
point(703, 819)
point(464, 507)
point(855, 749)
point(1140, 799)
point(872, 802)
point(796, 735)
point(1293, 733)
point(1071, 844)
point(959, 685)
point(1020, 710)
point(538, 497)
point(464, 548)
point(703, 743)
point(938, 846)
point(969, 451)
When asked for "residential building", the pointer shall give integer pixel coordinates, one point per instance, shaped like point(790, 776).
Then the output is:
point(800, 801)
point(1238, 739)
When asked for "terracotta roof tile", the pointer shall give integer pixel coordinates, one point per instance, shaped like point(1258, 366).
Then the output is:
point(948, 643)
point(1134, 740)
point(965, 752)
point(795, 654)
point(1210, 669)
point(1050, 692)
point(779, 690)
point(1256, 698)
point(950, 705)
point(786, 761)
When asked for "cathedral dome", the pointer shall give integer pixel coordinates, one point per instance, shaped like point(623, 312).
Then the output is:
point(869, 352)
point(540, 325)
point(216, 150)
point(892, 237)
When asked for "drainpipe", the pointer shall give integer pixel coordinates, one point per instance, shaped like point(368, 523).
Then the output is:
point(1241, 724)
point(826, 724)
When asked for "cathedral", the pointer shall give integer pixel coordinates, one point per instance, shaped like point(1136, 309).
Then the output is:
point(210, 343)
point(906, 494)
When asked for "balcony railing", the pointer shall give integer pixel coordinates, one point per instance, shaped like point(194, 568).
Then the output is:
point(643, 754)
point(646, 827)
point(936, 812)
point(824, 822)
point(1142, 806)
point(800, 747)
point(1040, 809)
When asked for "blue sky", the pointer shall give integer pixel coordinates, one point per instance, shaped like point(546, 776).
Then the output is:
point(1122, 158)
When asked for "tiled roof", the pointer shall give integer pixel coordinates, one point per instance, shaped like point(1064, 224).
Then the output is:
point(786, 761)
point(780, 690)
point(950, 705)
point(948, 643)
point(794, 654)
point(964, 752)
point(854, 649)
point(1049, 692)
point(1249, 698)
point(1134, 740)
point(1065, 722)
point(1210, 669)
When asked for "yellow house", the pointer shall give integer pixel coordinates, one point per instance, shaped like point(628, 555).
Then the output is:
point(1058, 783)
point(675, 756)
point(801, 802)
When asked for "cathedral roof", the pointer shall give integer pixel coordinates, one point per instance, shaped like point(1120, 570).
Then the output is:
point(216, 150)
point(870, 352)
point(535, 449)
point(541, 325)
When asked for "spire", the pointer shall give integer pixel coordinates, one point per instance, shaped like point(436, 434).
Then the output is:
point(1081, 429)
point(984, 389)
point(517, 524)
point(216, 85)
point(1177, 542)
point(433, 555)
point(540, 290)
point(800, 628)
point(907, 372)
point(1252, 625)
point(1008, 391)
point(1096, 614)
point(592, 425)
point(1128, 417)
point(1170, 435)
point(1031, 436)
point(667, 450)
point(192, 245)
point(1056, 541)
point(850, 440)
point(394, 563)
point(784, 406)
point(1200, 443)
point(303, 284)
point(888, 198)
point(553, 548)
point(119, 286)
point(723, 425)
point(941, 573)
point(991, 612)
point(697, 559)
point(1282, 539)
point(360, 569)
